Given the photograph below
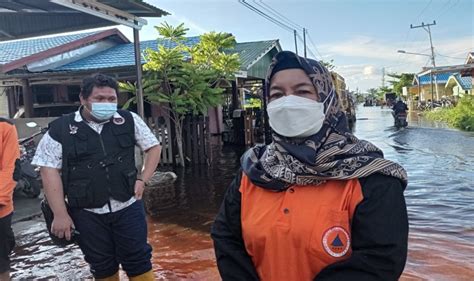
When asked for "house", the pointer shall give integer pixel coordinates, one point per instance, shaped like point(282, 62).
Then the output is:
point(431, 87)
point(458, 86)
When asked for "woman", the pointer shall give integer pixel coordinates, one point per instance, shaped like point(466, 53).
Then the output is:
point(317, 203)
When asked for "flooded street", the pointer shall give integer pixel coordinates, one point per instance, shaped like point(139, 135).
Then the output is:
point(440, 200)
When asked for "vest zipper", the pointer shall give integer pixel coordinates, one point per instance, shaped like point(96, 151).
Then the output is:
point(106, 171)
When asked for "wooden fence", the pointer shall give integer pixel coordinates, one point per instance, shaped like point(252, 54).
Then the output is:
point(196, 140)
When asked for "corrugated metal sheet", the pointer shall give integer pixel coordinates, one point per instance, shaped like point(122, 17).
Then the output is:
point(11, 51)
point(441, 78)
point(123, 55)
point(465, 82)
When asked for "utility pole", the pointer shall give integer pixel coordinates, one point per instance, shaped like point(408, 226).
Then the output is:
point(427, 28)
point(304, 41)
point(296, 43)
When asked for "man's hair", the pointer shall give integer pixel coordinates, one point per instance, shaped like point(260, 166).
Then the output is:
point(99, 81)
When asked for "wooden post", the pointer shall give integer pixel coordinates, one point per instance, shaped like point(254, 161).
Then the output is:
point(138, 66)
point(208, 149)
point(27, 98)
point(202, 141)
point(194, 138)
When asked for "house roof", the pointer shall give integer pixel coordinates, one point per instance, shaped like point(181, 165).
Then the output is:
point(18, 54)
point(440, 78)
point(120, 55)
point(11, 51)
point(465, 82)
point(29, 18)
point(250, 52)
point(470, 58)
point(14, 55)
point(123, 55)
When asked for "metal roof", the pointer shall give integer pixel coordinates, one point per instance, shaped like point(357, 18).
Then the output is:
point(250, 52)
point(440, 78)
point(11, 51)
point(122, 55)
point(465, 82)
point(30, 18)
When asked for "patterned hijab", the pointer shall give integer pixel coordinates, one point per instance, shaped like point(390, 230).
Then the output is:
point(333, 153)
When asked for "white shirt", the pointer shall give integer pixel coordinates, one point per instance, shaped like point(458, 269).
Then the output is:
point(49, 153)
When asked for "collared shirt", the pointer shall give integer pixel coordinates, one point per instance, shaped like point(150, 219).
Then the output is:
point(49, 153)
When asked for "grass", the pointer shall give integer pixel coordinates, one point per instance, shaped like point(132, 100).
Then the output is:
point(461, 116)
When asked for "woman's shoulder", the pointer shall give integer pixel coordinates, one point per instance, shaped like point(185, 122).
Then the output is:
point(378, 183)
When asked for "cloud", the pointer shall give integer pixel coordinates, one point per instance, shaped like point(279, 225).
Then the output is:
point(367, 57)
point(372, 48)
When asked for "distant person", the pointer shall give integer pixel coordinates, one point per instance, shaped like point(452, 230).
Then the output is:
point(317, 203)
point(399, 107)
point(9, 153)
point(94, 150)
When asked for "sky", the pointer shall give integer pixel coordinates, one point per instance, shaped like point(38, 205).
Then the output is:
point(361, 36)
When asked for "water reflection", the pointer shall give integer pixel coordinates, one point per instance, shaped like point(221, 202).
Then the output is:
point(440, 200)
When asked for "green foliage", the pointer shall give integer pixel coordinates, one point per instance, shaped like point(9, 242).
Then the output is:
point(400, 80)
point(185, 80)
point(461, 116)
point(328, 64)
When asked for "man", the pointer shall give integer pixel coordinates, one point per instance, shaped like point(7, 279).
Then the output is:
point(93, 149)
point(9, 153)
point(399, 107)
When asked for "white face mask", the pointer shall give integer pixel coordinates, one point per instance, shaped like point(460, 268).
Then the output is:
point(293, 116)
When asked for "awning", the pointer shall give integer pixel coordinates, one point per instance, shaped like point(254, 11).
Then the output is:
point(29, 18)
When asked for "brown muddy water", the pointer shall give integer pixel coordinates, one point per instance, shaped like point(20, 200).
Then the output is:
point(440, 200)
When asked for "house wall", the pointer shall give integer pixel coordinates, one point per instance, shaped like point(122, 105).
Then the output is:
point(426, 92)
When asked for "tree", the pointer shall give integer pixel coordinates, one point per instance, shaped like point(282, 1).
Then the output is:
point(185, 79)
point(328, 64)
point(400, 81)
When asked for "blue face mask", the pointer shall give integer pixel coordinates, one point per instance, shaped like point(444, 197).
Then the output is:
point(103, 110)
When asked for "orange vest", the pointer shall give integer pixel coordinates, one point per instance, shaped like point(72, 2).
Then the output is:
point(9, 152)
point(293, 235)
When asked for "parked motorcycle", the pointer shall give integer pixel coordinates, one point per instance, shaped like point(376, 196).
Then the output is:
point(29, 184)
point(400, 120)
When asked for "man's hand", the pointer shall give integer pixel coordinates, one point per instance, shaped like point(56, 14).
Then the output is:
point(139, 187)
point(62, 226)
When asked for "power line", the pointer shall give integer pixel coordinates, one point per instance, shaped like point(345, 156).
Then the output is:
point(314, 45)
point(266, 16)
point(449, 56)
point(278, 14)
point(424, 9)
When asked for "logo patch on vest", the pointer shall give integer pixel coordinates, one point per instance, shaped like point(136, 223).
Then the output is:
point(336, 241)
point(73, 129)
point(119, 121)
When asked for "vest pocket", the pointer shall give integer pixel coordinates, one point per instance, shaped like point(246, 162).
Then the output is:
point(130, 177)
point(78, 188)
point(331, 238)
point(77, 193)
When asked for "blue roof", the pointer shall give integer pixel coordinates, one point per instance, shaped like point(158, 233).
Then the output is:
point(11, 51)
point(465, 82)
point(440, 78)
point(120, 55)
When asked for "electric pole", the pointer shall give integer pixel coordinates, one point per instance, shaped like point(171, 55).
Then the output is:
point(304, 41)
point(296, 43)
point(427, 28)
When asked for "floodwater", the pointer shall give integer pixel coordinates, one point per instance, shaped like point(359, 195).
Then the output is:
point(440, 200)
